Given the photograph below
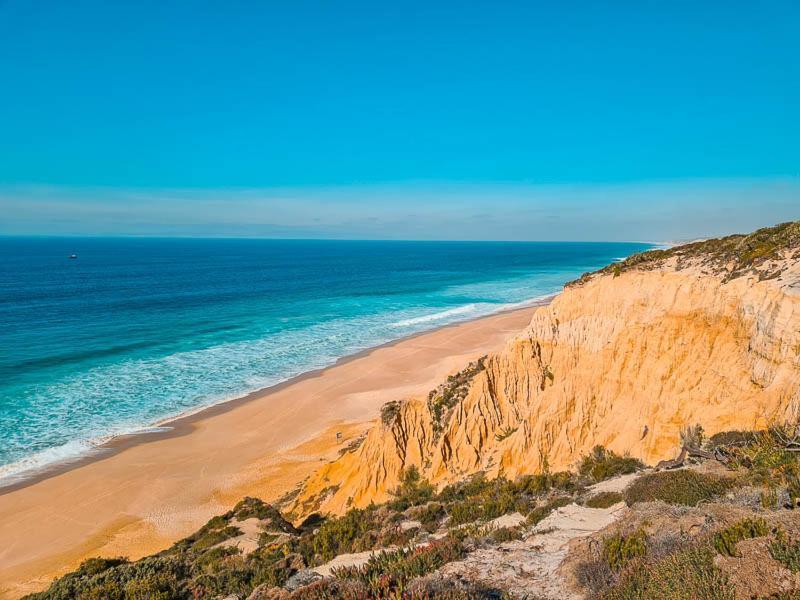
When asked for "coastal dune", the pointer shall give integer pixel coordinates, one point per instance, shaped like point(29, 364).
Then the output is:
point(145, 492)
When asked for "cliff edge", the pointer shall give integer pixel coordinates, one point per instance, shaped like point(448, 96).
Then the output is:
point(707, 333)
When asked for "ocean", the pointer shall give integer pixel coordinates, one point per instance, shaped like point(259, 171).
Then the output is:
point(137, 330)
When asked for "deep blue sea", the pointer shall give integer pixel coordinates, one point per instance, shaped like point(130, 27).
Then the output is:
point(134, 331)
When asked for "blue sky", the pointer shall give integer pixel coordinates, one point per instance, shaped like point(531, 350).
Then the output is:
point(358, 119)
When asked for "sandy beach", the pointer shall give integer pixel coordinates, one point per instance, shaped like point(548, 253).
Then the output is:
point(145, 492)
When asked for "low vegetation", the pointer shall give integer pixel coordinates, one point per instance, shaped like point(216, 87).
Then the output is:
point(452, 391)
point(619, 550)
point(505, 433)
point(786, 551)
point(207, 564)
point(689, 574)
point(629, 560)
point(604, 500)
point(725, 541)
point(734, 255)
point(728, 540)
point(389, 412)
point(603, 464)
point(413, 490)
point(388, 574)
point(685, 487)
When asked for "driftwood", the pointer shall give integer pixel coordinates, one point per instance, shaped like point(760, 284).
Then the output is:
point(790, 438)
point(692, 452)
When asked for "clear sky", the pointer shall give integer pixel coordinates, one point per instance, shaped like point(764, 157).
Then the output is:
point(348, 119)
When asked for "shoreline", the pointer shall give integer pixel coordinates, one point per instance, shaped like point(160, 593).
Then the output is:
point(144, 491)
point(180, 425)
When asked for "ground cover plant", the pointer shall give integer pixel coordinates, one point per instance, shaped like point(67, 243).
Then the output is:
point(632, 561)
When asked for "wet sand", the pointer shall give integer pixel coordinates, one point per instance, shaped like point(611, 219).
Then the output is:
point(144, 492)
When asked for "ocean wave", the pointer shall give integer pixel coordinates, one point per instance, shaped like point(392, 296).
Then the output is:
point(35, 463)
point(473, 310)
point(438, 316)
point(66, 454)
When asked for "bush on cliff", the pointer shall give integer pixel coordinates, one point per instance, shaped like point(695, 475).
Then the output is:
point(413, 490)
point(601, 464)
point(684, 487)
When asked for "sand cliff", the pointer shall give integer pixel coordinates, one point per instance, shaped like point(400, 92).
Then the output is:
point(623, 358)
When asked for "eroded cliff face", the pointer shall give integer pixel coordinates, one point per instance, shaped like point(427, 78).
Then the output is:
point(622, 359)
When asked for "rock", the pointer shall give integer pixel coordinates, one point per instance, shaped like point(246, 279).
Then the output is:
point(301, 579)
point(409, 525)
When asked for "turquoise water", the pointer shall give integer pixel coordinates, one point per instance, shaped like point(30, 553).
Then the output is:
point(134, 331)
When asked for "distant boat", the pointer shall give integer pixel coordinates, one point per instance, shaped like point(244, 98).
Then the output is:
point(73, 256)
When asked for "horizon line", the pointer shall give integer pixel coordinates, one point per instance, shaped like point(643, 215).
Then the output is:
point(327, 239)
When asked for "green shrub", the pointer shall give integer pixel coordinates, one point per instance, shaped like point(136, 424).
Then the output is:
point(430, 515)
point(684, 487)
point(452, 391)
point(725, 541)
point(387, 574)
point(786, 552)
point(481, 509)
point(790, 475)
point(413, 490)
point(389, 412)
point(603, 464)
point(217, 536)
point(94, 566)
point(733, 255)
point(154, 578)
point(537, 485)
point(348, 533)
point(474, 486)
point(465, 511)
point(765, 452)
point(619, 550)
point(731, 439)
point(689, 574)
point(333, 589)
point(604, 500)
point(254, 508)
point(480, 499)
point(506, 534)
